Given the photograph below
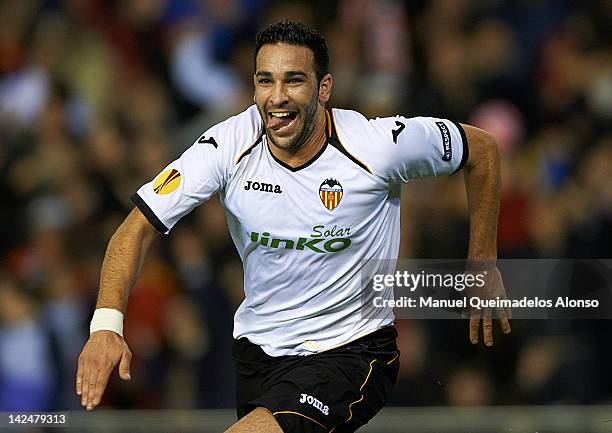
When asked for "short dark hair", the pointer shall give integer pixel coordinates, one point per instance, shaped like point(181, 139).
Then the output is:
point(296, 33)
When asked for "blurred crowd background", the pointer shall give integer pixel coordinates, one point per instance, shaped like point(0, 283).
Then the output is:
point(97, 96)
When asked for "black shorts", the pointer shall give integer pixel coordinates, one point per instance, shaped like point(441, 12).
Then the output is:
point(337, 390)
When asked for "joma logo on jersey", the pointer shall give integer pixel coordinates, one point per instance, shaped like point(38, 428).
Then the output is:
point(262, 186)
point(330, 193)
point(316, 403)
point(316, 244)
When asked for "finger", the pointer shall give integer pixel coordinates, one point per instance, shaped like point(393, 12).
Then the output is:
point(85, 390)
point(508, 311)
point(92, 388)
point(124, 365)
point(503, 321)
point(474, 325)
point(487, 327)
point(101, 383)
point(79, 377)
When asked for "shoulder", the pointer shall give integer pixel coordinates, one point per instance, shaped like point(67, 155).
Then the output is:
point(349, 122)
point(235, 135)
point(356, 130)
point(368, 140)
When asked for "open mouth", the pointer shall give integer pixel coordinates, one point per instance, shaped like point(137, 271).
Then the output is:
point(281, 121)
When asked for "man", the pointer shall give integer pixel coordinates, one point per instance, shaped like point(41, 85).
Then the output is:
point(311, 195)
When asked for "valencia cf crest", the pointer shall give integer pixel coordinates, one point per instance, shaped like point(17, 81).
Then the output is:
point(330, 193)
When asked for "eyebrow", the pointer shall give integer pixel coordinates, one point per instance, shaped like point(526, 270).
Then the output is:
point(295, 74)
point(288, 74)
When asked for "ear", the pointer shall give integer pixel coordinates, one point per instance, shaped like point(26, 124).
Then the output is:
point(325, 87)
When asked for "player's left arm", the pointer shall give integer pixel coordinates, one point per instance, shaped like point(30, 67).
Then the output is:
point(482, 184)
point(421, 147)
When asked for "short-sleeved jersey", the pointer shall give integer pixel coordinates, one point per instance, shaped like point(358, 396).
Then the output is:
point(305, 233)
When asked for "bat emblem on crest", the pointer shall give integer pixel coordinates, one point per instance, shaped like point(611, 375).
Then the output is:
point(330, 193)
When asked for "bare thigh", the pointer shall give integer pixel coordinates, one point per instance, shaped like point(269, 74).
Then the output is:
point(260, 420)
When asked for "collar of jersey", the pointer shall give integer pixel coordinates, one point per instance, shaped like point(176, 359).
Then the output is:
point(328, 135)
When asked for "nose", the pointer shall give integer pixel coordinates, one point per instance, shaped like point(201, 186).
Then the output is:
point(278, 96)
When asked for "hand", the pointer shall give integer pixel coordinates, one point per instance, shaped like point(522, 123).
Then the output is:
point(491, 290)
point(101, 354)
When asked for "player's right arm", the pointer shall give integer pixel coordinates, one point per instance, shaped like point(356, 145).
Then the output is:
point(201, 171)
point(105, 348)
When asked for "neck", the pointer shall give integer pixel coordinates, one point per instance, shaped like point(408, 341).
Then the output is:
point(312, 145)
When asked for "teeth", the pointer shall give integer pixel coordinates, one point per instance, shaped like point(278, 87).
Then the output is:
point(285, 114)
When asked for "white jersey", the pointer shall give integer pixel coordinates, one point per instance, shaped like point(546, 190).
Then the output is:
point(304, 233)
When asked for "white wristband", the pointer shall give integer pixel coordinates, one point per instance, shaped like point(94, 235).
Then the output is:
point(107, 319)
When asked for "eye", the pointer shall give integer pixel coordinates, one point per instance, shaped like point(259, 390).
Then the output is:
point(264, 81)
point(295, 80)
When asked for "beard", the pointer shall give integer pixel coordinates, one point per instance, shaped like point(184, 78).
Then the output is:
point(307, 125)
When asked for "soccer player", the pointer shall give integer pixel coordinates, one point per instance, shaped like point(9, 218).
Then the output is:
point(311, 195)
